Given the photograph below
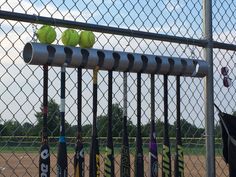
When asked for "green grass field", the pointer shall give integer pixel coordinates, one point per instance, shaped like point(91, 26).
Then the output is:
point(192, 146)
point(187, 150)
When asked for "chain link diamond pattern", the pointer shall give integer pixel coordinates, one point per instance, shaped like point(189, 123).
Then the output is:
point(21, 84)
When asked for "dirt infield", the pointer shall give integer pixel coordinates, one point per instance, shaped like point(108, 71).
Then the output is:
point(22, 164)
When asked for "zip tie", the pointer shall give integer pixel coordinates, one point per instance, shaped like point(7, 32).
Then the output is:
point(34, 27)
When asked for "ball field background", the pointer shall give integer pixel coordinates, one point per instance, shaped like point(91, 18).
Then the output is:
point(21, 84)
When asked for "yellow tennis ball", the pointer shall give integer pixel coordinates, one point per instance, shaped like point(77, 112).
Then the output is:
point(70, 37)
point(46, 34)
point(87, 39)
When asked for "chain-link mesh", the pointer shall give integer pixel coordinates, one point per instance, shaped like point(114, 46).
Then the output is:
point(21, 85)
point(224, 31)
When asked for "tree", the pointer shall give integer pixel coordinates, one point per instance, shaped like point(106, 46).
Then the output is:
point(86, 130)
point(71, 130)
point(117, 116)
point(187, 129)
point(13, 128)
point(2, 132)
point(28, 128)
point(53, 119)
point(159, 128)
point(217, 130)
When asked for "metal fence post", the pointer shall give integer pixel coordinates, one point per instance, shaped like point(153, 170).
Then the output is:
point(209, 91)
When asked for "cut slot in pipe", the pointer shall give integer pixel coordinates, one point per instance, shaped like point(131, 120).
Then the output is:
point(145, 61)
point(138, 63)
point(163, 65)
point(131, 61)
point(76, 60)
point(123, 63)
point(176, 66)
point(150, 65)
point(85, 55)
point(172, 64)
point(69, 54)
point(51, 54)
point(184, 66)
point(106, 60)
point(116, 57)
point(188, 67)
point(93, 59)
point(101, 57)
point(158, 62)
point(60, 55)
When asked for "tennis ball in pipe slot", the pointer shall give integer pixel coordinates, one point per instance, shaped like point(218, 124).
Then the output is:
point(70, 37)
point(86, 39)
point(46, 34)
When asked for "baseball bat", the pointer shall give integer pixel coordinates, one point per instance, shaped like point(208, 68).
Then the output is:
point(62, 151)
point(179, 156)
point(166, 157)
point(44, 157)
point(125, 158)
point(109, 155)
point(79, 147)
point(94, 163)
point(153, 158)
point(139, 168)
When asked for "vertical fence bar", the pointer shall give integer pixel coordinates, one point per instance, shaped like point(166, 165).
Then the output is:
point(209, 91)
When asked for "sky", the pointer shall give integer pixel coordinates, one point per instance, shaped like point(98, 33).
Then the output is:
point(22, 84)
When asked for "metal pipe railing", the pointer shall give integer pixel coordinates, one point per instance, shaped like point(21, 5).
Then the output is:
point(112, 30)
point(99, 28)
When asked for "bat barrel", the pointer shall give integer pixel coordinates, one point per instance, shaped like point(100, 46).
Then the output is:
point(79, 170)
point(45, 101)
point(79, 99)
point(139, 166)
point(125, 159)
point(166, 157)
point(55, 55)
point(94, 163)
point(44, 157)
point(62, 164)
point(153, 159)
point(179, 158)
point(109, 154)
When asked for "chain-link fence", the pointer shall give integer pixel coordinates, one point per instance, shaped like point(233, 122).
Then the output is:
point(22, 88)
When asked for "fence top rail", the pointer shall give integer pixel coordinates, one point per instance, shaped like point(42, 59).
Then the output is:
point(112, 30)
point(99, 28)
